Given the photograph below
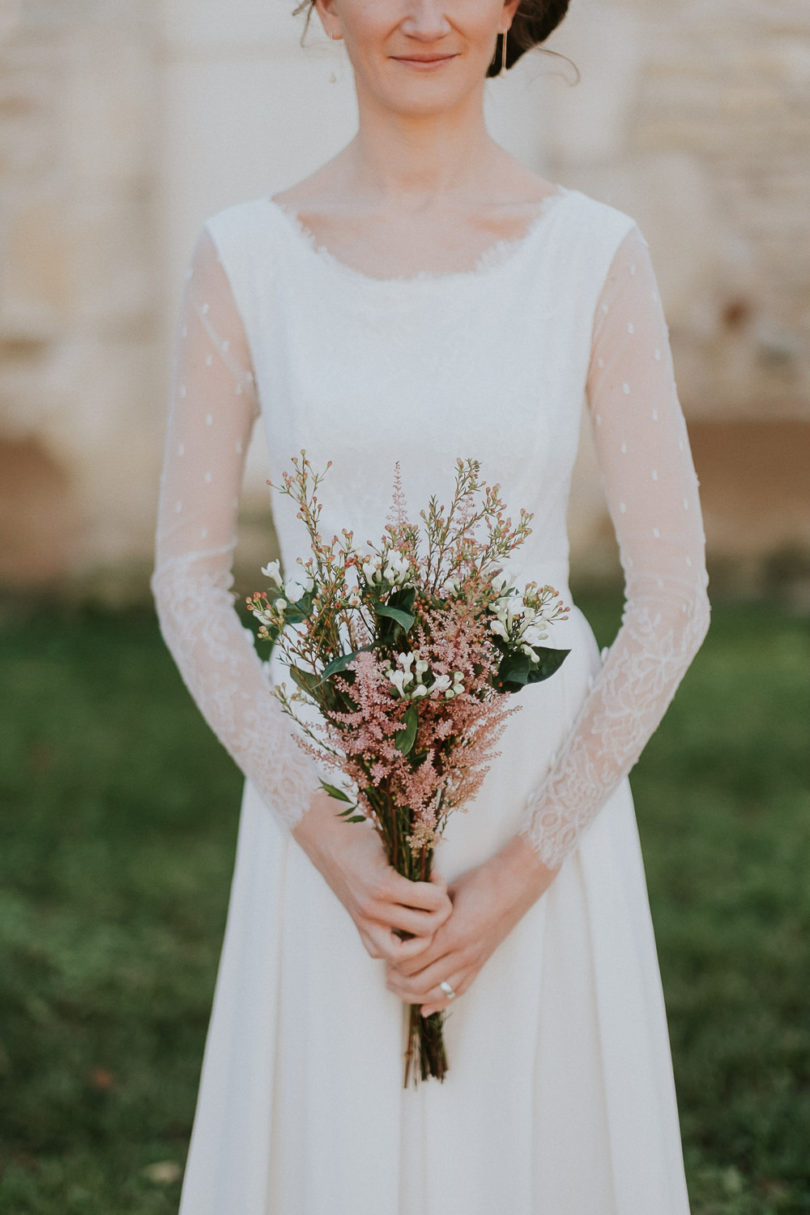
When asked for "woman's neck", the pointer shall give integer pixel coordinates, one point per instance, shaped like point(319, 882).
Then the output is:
point(416, 163)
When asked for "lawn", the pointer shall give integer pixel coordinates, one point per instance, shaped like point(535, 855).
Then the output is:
point(117, 834)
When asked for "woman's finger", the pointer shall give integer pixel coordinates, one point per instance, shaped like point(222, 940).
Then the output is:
point(406, 919)
point(429, 896)
point(409, 970)
point(430, 995)
point(407, 949)
point(416, 988)
point(381, 942)
point(441, 950)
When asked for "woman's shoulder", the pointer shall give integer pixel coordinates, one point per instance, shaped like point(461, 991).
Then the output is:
point(597, 215)
point(236, 220)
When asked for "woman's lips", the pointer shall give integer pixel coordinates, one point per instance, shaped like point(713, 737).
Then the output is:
point(423, 62)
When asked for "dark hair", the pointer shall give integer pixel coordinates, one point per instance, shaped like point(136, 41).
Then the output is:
point(532, 24)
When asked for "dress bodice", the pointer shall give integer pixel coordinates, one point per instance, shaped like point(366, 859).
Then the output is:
point(363, 371)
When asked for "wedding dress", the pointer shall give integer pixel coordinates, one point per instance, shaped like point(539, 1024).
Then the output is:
point(560, 1096)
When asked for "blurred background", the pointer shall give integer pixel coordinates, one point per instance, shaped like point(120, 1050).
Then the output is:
point(123, 124)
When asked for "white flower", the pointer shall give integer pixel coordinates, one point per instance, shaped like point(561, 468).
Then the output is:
point(406, 662)
point(397, 678)
point(532, 635)
point(273, 571)
point(293, 590)
point(419, 690)
point(515, 608)
point(371, 569)
point(280, 605)
point(441, 683)
point(496, 627)
point(421, 667)
point(396, 567)
point(264, 616)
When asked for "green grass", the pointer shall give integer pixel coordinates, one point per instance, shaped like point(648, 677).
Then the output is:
point(117, 834)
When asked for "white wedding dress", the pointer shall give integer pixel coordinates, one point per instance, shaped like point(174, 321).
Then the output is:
point(560, 1096)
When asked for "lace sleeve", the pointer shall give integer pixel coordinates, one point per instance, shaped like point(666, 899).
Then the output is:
point(213, 408)
point(651, 492)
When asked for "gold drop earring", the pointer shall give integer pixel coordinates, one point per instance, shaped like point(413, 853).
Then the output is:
point(332, 76)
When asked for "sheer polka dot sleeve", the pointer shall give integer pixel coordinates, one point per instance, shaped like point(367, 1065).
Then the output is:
point(652, 495)
point(213, 408)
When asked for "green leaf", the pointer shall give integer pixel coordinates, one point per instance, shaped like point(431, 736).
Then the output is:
point(356, 818)
point(518, 670)
point(307, 682)
point(404, 619)
point(341, 663)
point(333, 791)
point(404, 598)
point(550, 661)
point(407, 735)
point(513, 673)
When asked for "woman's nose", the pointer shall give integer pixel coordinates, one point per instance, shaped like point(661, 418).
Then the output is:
point(426, 19)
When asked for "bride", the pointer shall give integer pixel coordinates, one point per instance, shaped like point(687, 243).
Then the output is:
point(424, 296)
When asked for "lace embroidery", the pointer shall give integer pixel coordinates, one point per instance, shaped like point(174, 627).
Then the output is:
point(492, 258)
point(214, 404)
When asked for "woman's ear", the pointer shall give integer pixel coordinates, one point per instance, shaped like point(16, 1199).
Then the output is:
point(329, 18)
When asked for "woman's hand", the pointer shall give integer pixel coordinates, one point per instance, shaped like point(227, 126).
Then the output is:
point(487, 903)
point(381, 902)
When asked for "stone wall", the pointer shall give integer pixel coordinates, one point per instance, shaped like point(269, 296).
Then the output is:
point(706, 141)
point(695, 118)
point(78, 312)
point(123, 123)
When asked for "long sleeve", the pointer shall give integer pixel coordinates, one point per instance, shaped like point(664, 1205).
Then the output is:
point(652, 496)
point(214, 405)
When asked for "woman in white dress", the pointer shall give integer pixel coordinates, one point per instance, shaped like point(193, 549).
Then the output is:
point(424, 296)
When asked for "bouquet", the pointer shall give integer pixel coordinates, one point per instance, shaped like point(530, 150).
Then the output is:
point(410, 649)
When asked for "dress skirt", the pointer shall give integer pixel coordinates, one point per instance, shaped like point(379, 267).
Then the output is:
point(560, 1097)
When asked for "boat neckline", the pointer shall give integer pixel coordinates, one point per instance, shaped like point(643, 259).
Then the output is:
point(494, 258)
